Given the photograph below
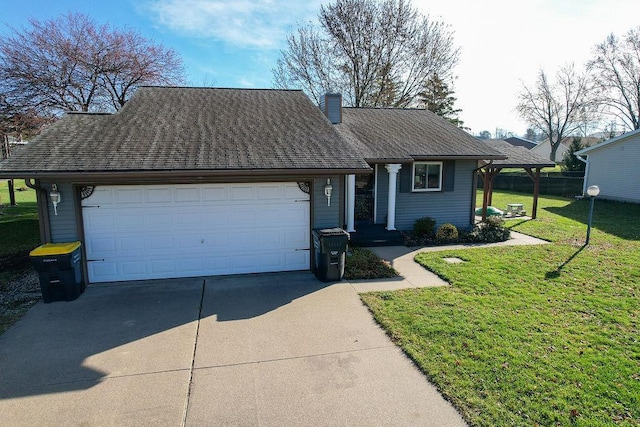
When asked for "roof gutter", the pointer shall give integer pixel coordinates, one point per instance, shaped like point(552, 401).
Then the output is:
point(192, 175)
point(586, 171)
point(43, 210)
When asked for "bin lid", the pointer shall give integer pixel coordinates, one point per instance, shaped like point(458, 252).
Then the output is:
point(55, 249)
point(332, 232)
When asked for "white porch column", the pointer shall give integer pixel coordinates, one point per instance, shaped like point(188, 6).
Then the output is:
point(351, 203)
point(393, 169)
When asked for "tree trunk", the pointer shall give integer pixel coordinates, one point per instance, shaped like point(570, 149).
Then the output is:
point(554, 149)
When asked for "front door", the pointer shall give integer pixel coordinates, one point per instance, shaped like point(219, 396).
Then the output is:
point(364, 198)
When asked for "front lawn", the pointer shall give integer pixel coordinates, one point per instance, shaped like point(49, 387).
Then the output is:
point(541, 335)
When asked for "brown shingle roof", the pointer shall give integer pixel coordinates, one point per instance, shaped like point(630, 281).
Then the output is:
point(517, 157)
point(407, 134)
point(192, 129)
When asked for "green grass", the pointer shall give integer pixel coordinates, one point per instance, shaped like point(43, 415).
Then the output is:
point(544, 335)
point(18, 224)
point(361, 263)
point(19, 233)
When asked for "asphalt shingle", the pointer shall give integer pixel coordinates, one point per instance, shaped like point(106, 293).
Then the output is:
point(408, 134)
point(517, 157)
point(191, 129)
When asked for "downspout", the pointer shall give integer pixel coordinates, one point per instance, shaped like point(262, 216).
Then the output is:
point(43, 210)
point(586, 172)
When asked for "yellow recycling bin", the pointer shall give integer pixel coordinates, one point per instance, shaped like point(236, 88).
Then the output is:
point(60, 270)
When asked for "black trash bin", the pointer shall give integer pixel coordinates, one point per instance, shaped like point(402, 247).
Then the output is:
point(330, 246)
point(60, 270)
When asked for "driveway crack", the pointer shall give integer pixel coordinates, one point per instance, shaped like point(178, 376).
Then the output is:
point(193, 358)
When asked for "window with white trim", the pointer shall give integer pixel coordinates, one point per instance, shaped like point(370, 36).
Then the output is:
point(427, 176)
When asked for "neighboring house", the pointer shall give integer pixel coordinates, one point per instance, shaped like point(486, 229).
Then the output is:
point(612, 165)
point(521, 142)
point(185, 182)
point(544, 148)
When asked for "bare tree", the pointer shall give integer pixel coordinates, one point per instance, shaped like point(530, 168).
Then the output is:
point(616, 71)
point(376, 53)
point(73, 64)
point(556, 108)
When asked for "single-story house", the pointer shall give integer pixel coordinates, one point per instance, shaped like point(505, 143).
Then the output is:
point(612, 165)
point(185, 182)
point(544, 148)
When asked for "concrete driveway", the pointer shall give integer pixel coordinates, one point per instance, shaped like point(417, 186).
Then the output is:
point(270, 349)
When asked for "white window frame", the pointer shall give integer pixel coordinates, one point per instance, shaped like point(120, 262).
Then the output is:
point(413, 177)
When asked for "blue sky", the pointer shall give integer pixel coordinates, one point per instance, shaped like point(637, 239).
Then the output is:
point(236, 43)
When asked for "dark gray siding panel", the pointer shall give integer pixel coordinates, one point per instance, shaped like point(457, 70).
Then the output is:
point(63, 225)
point(443, 206)
point(327, 216)
point(452, 205)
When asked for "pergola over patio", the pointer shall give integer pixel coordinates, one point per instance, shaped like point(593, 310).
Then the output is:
point(517, 157)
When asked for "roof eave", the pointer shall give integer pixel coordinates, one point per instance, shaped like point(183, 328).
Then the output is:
point(413, 158)
point(128, 175)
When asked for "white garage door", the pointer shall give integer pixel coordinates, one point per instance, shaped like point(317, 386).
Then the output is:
point(164, 231)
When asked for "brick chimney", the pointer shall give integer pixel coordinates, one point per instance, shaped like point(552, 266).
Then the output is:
point(331, 106)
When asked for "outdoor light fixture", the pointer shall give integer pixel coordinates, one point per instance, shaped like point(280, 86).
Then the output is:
point(592, 192)
point(327, 191)
point(56, 198)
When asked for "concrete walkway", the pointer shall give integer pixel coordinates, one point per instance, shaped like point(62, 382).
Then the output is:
point(413, 275)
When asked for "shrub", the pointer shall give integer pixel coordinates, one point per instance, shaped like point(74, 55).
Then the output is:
point(490, 230)
point(424, 227)
point(447, 233)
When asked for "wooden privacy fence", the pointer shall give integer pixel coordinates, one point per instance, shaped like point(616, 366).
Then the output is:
point(551, 185)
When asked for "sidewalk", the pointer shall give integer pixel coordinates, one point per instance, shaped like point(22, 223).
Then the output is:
point(413, 275)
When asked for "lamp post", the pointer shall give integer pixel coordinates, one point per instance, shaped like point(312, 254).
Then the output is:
point(592, 192)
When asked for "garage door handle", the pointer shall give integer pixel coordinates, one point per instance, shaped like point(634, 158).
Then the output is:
point(94, 260)
point(96, 206)
point(308, 249)
point(302, 200)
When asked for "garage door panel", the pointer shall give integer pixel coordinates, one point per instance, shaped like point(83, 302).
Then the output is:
point(158, 195)
point(101, 246)
point(155, 219)
point(192, 230)
point(214, 194)
point(99, 221)
point(130, 195)
point(270, 192)
point(244, 192)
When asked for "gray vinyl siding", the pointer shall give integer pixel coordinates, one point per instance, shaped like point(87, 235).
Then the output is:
point(327, 216)
point(444, 206)
point(614, 169)
point(63, 225)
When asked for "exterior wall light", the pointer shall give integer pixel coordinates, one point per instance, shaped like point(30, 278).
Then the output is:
point(56, 198)
point(327, 191)
point(592, 192)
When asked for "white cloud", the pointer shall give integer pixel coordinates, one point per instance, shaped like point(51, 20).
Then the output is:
point(241, 23)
